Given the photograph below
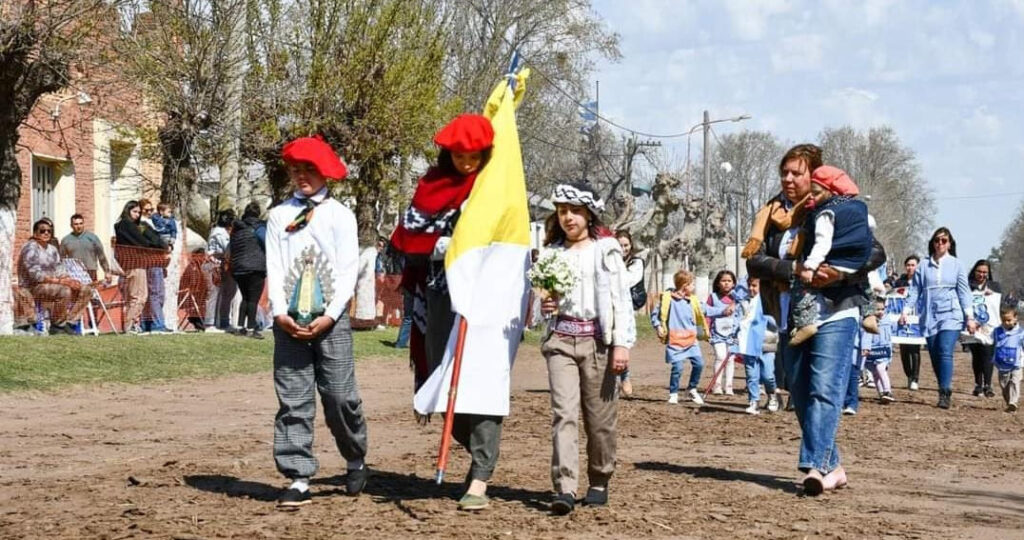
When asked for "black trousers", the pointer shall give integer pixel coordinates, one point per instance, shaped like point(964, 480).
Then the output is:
point(981, 363)
point(910, 356)
point(251, 287)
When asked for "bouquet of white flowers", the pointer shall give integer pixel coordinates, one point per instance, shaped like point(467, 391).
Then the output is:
point(552, 275)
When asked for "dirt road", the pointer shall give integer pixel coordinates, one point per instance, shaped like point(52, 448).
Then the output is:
point(191, 459)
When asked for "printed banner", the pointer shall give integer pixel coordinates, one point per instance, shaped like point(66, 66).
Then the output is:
point(904, 334)
point(986, 313)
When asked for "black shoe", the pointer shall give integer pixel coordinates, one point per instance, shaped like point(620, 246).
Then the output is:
point(989, 392)
point(945, 399)
point(56, 329)
point(977, 390)
point(293, 498)
point(563, 504)
point(355, 481)
point(596, 497)
point(256, 334)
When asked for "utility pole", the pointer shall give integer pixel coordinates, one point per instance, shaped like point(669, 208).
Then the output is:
point(707, 175)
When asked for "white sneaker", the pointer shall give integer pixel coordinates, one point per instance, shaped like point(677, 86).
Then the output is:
point(773, 403)
point(673, 398)
point(849, 411)
point(752, 409)
point(213, 330)
point(717, 391)
point(913, 386)
point(695, 397)
point(729, 392)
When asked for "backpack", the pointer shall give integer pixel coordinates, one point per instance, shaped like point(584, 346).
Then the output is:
point(638, 292)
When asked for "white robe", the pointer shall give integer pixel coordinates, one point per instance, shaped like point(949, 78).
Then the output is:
point(366, 286)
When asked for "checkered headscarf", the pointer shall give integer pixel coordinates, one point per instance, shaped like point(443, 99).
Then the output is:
point(578, 195)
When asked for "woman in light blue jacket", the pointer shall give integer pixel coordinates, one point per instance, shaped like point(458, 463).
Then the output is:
point(940, 291)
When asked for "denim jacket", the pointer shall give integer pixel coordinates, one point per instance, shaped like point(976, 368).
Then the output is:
point(941, 293)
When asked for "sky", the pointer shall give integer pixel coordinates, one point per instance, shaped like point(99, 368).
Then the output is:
point(947, 76)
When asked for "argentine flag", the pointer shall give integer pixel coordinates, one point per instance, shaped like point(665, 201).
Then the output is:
point(753, 324)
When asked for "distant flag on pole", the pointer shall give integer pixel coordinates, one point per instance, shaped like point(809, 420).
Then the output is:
point(486, 266)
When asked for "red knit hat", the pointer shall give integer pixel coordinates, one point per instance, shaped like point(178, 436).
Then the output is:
point(466, 133)
point(316, 151)
point(835, 180)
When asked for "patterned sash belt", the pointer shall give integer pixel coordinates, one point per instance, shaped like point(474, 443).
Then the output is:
point(571, 326)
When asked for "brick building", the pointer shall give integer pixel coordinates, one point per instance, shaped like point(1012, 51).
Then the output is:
point(79, 153)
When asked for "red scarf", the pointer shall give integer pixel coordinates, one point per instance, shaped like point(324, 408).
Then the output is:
point(439, 195)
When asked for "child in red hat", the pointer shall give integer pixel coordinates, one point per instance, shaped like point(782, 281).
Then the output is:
point(838, 234)
point(312, 250)
point(423, 236)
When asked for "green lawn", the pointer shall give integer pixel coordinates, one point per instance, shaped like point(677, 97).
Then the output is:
point(47, 363)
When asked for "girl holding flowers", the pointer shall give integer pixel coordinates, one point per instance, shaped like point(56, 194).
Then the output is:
point(587, 344)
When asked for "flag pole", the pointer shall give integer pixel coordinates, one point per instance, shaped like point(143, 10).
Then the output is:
point(449, 412)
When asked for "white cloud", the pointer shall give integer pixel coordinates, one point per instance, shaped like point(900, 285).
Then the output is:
point(750, 20)
point(798, 53)
point(981, 128)
point(856, 107)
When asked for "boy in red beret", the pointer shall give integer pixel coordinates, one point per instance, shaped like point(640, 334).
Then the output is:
point(423, 236)
point(312, 250)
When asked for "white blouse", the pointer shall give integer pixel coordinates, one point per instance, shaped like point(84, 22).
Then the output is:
point(602, 292)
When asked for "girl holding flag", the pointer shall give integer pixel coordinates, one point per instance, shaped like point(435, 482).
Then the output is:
point(423, 237)
point(586, 346)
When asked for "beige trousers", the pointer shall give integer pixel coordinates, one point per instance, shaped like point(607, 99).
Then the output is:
point(63, 302)
point(136, 292)
point(580, 376)
point(1010, 383)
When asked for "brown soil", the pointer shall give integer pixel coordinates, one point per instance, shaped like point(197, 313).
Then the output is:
point(191, 459)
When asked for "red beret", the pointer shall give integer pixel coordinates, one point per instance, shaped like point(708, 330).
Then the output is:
point(316, 151)
point(466, 133)
point(835, 180)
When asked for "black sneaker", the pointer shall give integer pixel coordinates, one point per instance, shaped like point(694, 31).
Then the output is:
point(596, 497)
point(293, 498)
point(977, 390)
point(887, 397)
point(256, 334)
point(945, 399)
point(989, 392)
point(56, 329)
point(563, 504)
point(355, 481)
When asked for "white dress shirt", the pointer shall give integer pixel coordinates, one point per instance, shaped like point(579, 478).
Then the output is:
point(331, 231)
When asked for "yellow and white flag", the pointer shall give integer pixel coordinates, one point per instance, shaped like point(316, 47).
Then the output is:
point(486, 266)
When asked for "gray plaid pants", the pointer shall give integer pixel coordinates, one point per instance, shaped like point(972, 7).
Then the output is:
point(327, 363)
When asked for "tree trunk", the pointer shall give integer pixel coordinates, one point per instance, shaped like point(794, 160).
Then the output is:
point(7, 224)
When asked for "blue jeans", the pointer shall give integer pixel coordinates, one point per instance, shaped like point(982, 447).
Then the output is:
point(818, 371)
point(759, 371)
point(852, 400)
point(940, 349)
point(675, 359)
point(403, 331)
point(155, 301)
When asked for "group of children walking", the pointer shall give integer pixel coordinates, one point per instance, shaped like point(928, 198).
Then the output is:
point(732, 320)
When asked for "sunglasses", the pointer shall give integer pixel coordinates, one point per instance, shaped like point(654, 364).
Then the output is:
point(942, 240)
point(147, 210)
point(45, 231)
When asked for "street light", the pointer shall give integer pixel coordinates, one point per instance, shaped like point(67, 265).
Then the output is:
point(707, 159)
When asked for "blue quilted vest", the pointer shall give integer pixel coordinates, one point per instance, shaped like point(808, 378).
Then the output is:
point(851, 243)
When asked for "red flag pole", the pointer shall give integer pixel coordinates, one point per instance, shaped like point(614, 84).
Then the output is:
point(449, 412)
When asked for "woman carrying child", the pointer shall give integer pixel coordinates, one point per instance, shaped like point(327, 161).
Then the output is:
point(586, 346)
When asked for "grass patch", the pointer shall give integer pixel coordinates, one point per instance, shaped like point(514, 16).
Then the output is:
point(47, 363)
